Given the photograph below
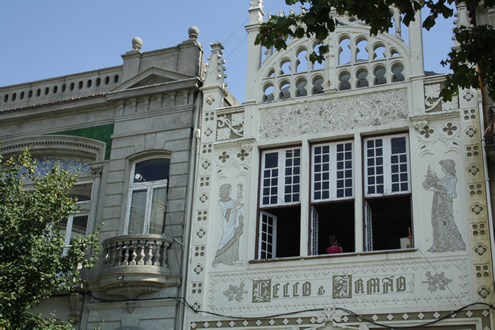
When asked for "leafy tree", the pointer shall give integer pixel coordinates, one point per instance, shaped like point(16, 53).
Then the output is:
point(472, 64)
point(33, 264)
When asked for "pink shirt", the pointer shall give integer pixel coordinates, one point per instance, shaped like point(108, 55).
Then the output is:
point(334, 249)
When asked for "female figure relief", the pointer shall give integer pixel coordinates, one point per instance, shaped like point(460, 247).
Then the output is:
point(232, 225)
point(446, 236)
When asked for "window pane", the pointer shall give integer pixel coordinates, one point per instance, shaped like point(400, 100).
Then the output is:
point(271, 160)
point(158, 209)
point(82, 191)
point(152, 170)
point(79, 225)
point(137, 214)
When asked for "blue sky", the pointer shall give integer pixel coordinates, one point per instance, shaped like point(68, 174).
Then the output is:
point(44, 39)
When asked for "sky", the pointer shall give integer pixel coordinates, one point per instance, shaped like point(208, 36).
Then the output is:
point(45, 39)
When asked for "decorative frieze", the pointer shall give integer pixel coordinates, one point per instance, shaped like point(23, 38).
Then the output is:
point(395, 283)
point(334, 115)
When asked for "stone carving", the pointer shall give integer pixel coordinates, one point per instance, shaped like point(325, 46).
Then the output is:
point(367, 283)
point(450, 129)
point(210, 100)
point(437, 281)
point(235, 292)
point(470, 114)
point(484, 292)
point(420, 125)
point(446, 236)
point(232, 225)
point(333, 115)
point(230, 126)
point(480, 249)
point(473, 169)
point(427, 131)
point(206, 148)
point(262, 291)
point(433, 101)
point(224, 157)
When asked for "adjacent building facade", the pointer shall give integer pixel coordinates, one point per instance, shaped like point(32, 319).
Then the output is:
point(129, 133)
point(359, 149)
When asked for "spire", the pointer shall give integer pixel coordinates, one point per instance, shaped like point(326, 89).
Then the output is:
point(256, 12)
point(215, 69)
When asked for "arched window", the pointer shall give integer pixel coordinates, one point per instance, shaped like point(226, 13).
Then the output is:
point(147, 204)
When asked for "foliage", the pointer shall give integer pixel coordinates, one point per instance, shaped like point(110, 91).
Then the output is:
point(477, 43)
point(33, 264)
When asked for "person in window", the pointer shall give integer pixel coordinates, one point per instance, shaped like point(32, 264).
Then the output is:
point(446, 236)
point(232, 225)
point(334, 245)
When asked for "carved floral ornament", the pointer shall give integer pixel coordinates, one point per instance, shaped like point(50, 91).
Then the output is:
point(433, 101)
point(230, 126)
point(333, 115)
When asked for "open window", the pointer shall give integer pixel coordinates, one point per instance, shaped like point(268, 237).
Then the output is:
point(280, 210)
point(332, 196)
point(147, 204)
point(387, 197)
point(76, 224)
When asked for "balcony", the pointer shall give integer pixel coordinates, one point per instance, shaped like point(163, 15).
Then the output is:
point(135, 265)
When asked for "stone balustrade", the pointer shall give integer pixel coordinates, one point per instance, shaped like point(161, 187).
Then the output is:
point(136, 250)
point(135, 265)
point(60, 89)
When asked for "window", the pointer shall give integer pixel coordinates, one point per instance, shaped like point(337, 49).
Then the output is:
point(335, 197)
point(387, 193)
point(280, 209)
point(147, 202)
point(77, 223)
point(332, 195)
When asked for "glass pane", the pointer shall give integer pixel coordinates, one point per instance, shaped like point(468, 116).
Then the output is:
point(137, 214)
point(82, 191)
point(271, 160)
point(158, 209)
point(79, 225)
point(152, 170)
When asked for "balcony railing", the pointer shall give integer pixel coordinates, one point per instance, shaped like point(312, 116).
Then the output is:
point(135, 264)
point(136, 250)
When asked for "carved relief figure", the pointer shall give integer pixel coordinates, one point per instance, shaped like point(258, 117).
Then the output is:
point(232, 225)
point(446, 236)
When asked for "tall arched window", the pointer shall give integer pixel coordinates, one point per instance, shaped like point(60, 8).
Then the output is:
point(147, 204)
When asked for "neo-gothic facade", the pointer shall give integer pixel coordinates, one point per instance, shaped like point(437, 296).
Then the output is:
point(362, 148)
point(220, 215)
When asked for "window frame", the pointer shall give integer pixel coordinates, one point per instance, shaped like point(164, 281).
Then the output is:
point(280, 204)
point(82, 211)
point(150, 187)
point(353, 203)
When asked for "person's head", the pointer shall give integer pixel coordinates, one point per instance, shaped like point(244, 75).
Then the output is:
point(333, 240)
point(449, 166)
point(225, 191)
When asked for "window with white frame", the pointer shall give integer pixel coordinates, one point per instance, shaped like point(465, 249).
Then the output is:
point(280, 208)
point(332, 195)
point(76, 224)
point(385, 197)
point(147, 203)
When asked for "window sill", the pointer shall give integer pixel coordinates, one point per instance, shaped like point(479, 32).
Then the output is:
point(345, 254)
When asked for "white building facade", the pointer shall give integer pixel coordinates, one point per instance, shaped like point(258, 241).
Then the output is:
point(360, 147)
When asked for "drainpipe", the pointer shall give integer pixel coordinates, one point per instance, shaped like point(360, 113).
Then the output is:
point(186, 248)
